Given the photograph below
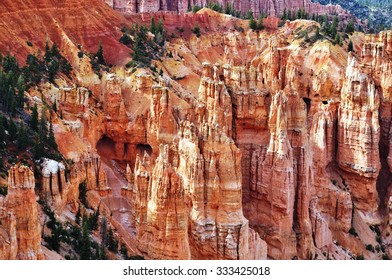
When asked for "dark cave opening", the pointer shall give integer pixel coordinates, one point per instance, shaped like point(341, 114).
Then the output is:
point(106, 147)
point(308, 103)
point(142, 148)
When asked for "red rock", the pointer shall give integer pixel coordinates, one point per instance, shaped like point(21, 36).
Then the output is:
point(24, 220)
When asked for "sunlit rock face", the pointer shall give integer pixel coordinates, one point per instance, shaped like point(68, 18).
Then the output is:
point(247, 145)
point(22, 220)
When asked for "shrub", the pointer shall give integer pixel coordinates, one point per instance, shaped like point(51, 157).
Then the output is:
point(3, 190)
point(369, 247)
point(196, 31)
point(360, 257)
point(83, 194)
point(353, 232)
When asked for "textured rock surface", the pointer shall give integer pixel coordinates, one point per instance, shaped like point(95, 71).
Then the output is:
point(248, 144)
point(188, 205)
point(272, 8)
point(67, 23)
point(23, 220)
point(359, 135)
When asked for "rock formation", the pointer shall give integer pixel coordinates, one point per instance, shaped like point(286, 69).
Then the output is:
point(188, 205)
point(272, 8)
point(359, 135)
point(246, 145)
point(21, 215)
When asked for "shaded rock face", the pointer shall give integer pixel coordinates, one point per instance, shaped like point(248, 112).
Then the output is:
point(19, 219)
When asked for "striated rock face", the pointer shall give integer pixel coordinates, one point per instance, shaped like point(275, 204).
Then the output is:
point(46, 19)
point(253, 144)
point(8, 239)
point(359, 135)
point(53, 181)
point(272, 8)
point(189, 205)
point(23, 220)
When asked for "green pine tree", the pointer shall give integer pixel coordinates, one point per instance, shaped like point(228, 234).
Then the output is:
point(21, 86)
point(284, 15)
point(2, 131)
point(34, 118)
point(252, 24)
point(99, 55)
point(23, 138)
point(350, 47)
point(13, 130)
point(78, 216)
point(112, 243)
point(350, 28)
point(43, 127)
point(260, 24)
point(85, 251)
point(51, 139)
point(153, 26)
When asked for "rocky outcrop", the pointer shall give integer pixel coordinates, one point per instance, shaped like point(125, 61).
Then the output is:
point(8, 239)
point(359, 136)
point(23, 219)
point(273, 8)
point(53, 181)
point(45, 20)
point(192, 194)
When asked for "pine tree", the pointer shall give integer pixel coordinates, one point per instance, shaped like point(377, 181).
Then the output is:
point(124, 251)
point(23, 138)
point(284, 16)
point(51, 139)
point(249, 14)
point(85, 242)
point(306, 36)
point(252, 24)
point(334, 27)
point(102, 252)
point(260, 25)
point(338, 40)
point(2, 131)
point(21, 89)
point(54, 106)
point(53, 68)
point(317, 33)
point(43, 128)
point(104, 228)
point(350, 47)
point(34, 118)
point(153, 27)
point(350, 28)
point(78, 216)
point(112, 243)
point(99, 55)
point(13, 130)
point(47, 55)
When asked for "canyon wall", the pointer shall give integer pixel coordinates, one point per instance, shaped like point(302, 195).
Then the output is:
point(260, 145)
point(271, 8)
